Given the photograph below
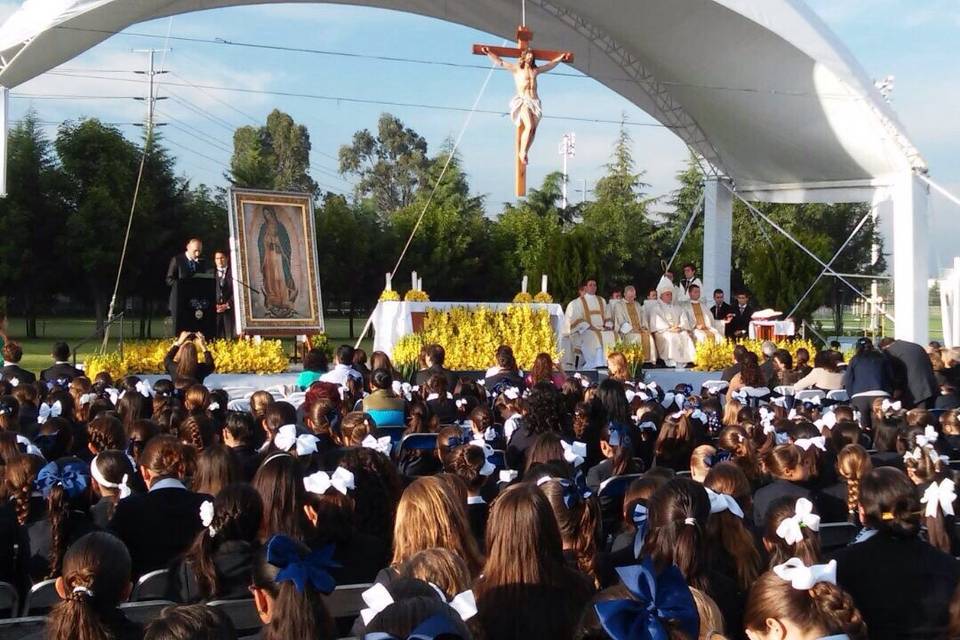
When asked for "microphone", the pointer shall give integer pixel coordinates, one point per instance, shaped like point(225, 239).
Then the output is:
point(236, 279)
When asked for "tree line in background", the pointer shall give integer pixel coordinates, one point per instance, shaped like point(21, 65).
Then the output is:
point(63, 221)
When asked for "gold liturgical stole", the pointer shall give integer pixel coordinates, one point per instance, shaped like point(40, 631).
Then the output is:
point(634, 318)
point(698, 314)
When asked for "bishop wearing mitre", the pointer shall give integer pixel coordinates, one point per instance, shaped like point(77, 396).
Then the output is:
point(630, 322)
point(590, 326)
point(674, 343)
point(699, 320)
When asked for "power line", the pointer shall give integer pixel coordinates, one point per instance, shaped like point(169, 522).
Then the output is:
point(387, 103)
point(69, 96)
point(194, 151)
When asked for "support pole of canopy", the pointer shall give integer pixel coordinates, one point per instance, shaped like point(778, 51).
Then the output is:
point(717, 236)
point(4, 130)
point(907, 207)
point(686, 230)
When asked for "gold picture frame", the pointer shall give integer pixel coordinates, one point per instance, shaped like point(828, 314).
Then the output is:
point(273, 250)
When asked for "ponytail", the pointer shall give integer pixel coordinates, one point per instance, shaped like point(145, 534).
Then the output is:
point(853, 462)
point(57, 512)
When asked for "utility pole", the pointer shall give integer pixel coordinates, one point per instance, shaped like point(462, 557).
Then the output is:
point(151, 99)
point(584, 191)
point(568, 149)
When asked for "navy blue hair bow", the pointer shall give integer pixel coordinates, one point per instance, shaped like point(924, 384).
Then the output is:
point(455, 441)
point(73, 475)
point(437, 627)
point(684, 388)
point(284, 553)
point(657, 598)
point(639, 517)
point(572, 491)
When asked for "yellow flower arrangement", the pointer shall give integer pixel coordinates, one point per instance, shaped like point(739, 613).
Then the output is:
point(470, 337)
point(230, 356)
point(415, 295)
point(716, 357)
point(389, 296)
point(543, 298)
point(522, 298)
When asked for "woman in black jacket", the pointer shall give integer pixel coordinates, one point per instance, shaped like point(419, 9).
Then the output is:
point(868, 376)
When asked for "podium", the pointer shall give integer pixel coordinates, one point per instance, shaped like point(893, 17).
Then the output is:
point(197, 305)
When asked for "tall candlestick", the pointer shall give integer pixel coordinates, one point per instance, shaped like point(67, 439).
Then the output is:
point(419, 284)
point(523, 284)
point(413, 280)
point(389, 282)
point(543, 283)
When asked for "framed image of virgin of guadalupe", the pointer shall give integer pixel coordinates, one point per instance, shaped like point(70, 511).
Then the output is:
point(273, 249)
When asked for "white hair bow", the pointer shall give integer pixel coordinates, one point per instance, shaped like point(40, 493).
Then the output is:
point(87, 398)
point(465, 604)
point(383, 445)
point(802, 577)
point(508, 475)
point(31, 448)
point(402, 389)
point(461, 403)
point(918, 452)
point(699, 415)
point(828, 421)
point(123, 485)
point(780, 401)
point(790, 528)
point(287, 437)
point(671, 397)
point(511, 393)
point(939, 495)
point(510, 425)
point(631, 394)
point(213, 406)
point(342, 480)
point(574, 453)
point(144, 388)
point(490, 434)
point(48, 411)
point(113, 394)
point(488, 467)
point(647, 425)
point(723, 502)
point(928, 437)
point(206, 516)
point(805, 443)
point(769, 429)
point(14, 382)
point(887, 406)
point(377, 598)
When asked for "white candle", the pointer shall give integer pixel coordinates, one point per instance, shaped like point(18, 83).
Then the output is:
point(543, 283)
point(389, 278)
point(413, 280)
point(419, 284)
point(523, 284)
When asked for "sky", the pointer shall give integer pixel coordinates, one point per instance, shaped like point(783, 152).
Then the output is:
point(914, 40)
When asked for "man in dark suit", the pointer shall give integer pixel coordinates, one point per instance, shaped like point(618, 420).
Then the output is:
point(12, 353)
point(61, 369)
point(739, 325)
point(224, 293)
point(183, 266)
point(720, 309)
point(914, 381)
point(435, 356)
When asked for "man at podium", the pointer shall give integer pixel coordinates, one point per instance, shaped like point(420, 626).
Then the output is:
point(187, 267)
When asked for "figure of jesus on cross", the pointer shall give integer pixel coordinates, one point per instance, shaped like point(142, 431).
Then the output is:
point(525, 108)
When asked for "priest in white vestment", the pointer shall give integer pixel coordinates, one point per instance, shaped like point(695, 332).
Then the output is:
point(674, 344)
point(698, 319)
point(590, 327)
point(630, 322)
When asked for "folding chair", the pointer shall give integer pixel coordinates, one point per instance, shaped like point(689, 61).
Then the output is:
point(346, 600)
point(805, 395)
point(41, 598)
point(9, 601)
point(145, 611)
point(836, 535)
point(418, 442)
point(243, 614)
point(838, 395)
point(151, 586)
point(17, 628)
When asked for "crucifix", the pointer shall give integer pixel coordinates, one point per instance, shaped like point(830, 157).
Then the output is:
point(525, 110)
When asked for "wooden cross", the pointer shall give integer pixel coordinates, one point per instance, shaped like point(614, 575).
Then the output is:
point(524, 36)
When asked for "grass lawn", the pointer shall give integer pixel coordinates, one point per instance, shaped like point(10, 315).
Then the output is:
point(36, 351)
point(855, 325)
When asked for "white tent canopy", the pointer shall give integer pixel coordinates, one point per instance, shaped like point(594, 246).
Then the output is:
point(760, 89)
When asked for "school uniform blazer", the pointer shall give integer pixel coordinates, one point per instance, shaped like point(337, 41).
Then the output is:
point(232, 561)
point(902, 587)
point(423, 376)
point(914, 363)
point(11, 371)
point(60, 370)
point(158, 526)
point(764, 496)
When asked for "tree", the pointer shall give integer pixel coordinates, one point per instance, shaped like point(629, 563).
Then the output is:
point(391, 167)
point(275, 156)
point(526, 229)
point(685, 202)
point(619, 223)
point(30, 219)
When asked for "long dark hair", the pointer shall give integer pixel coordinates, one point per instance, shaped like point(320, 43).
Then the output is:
point(295, 614)
point(96, 575)
point(279, 480)
point(678, 513)
point(579, 524)
point(237, 514)
point(543, 409)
